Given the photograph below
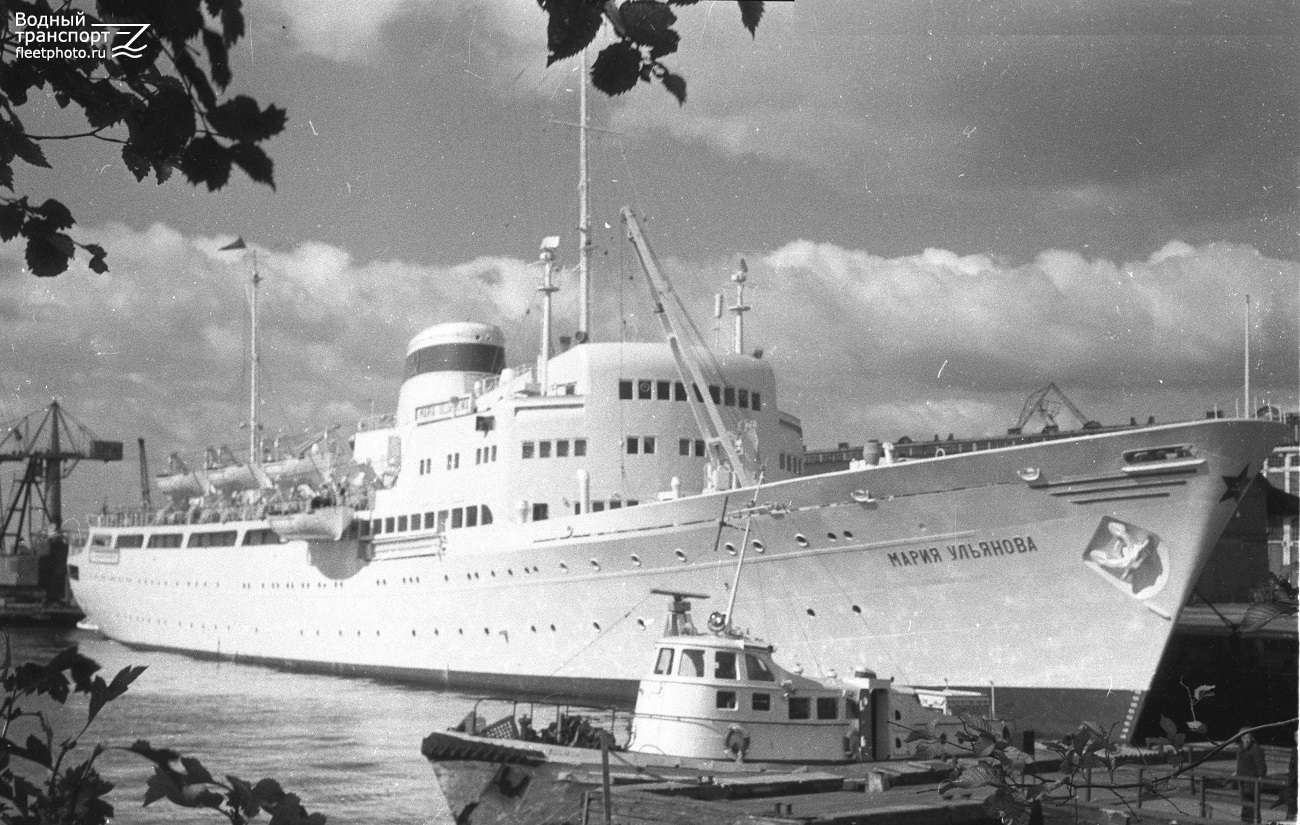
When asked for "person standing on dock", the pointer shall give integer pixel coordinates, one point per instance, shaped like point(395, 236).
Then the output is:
point(1251, 766)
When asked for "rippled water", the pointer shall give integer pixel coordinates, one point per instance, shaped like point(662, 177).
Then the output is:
point(349, 747)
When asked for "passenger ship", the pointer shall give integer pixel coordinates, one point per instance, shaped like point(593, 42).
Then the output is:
point(504, 529)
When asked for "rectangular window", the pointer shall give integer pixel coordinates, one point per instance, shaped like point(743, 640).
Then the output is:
point(648, 445)
point(781, 460)
point(225, 538)
point(761, 701)
point(699, 448)
point(597, 506)
point(529, 447)
point(663, 390)
point(679, 391)
point(729, 396)
point(457, 518)
point(643, 388)
point(442, 519)
point(471, 516)
point(742, 398)
point(715, 393)
point(430, 520)
point(691, 664)
point(632, 502)
point(377, 526)
point(827, 707)
point(684, 446)
point(362, 524)
point(135, 540)
point(456, 463)
point(724, 665)
point(494, 453)
point(579, 447)
point(800, 708)
point(389, 524)
point(633, 443)
point(543, 449)
point(401, 524)
point(562, 448)
point(664, 664)
point(726, 700)
point(755, 403)
point(540, 511)
point(615, 503)
point(165, 540)
point(625, 390)
point(485, 515)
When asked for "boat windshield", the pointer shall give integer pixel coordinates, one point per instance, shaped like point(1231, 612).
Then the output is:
point(664, 665)
point(757, 670)
point(692, 664)
point(724, 665)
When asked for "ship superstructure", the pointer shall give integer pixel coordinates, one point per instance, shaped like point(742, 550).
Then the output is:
point(503, 528)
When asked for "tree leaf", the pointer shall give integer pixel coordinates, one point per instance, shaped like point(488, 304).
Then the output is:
point(56, 213)
point(676, 85)
point(571, 26)
point(242, 121)
point(650, 23)
point(254, 162)
point(1167, 725)
point(206, 161)
point(617, 68)
point(97, 258)
point(11, 220)
point(48, 255)
point(218, 57)
point(751, 11)
point(38, 752)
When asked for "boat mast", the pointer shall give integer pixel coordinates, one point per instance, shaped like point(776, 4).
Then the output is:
point(583, 333)
point(722, 446)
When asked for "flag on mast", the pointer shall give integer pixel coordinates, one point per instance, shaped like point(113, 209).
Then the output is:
point(237, 243)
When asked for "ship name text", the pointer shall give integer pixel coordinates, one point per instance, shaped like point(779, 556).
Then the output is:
point(964, 552)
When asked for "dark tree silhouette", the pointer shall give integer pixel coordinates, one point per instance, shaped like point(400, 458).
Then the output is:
point(645, 34)
point(149, 75)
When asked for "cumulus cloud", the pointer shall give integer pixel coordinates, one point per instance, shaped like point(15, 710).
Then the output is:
point(863, 346)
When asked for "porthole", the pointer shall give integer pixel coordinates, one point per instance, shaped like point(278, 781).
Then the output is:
point(640, 623)
point(564, 566)
point(680, 554)
point(801, 540)
point(636, 559)
point(552, 628)
point(596, 625)
point(848, 534)
point(812, 612)
point(832, 536)
point(487, 632)
point(857, 609)
point(731, 548)
point(758, 546)
point(533, 628)
point(595, 565)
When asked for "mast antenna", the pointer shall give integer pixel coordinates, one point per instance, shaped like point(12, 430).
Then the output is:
point(583, 334)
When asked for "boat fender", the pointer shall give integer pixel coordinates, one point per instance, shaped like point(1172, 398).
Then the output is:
point(737, 742)
point(717, 621)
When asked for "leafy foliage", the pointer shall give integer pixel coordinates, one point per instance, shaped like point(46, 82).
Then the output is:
point(73, 793)
point(162, 107)
point(645, 34)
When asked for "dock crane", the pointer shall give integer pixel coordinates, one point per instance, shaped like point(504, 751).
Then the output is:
point(48, 444)
point(1046, 404)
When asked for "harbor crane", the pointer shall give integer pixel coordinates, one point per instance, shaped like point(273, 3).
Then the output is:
point(47, 444)
point(1046, 404)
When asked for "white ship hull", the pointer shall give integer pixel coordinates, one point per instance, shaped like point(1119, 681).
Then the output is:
point(984, 570)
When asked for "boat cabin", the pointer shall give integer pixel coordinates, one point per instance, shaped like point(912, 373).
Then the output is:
point(720, 694)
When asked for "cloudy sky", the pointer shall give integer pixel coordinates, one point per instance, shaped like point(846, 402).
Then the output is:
point(944, 206)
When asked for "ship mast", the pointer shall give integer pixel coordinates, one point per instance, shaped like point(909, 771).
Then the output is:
point(583, 333)
point(254, 454)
